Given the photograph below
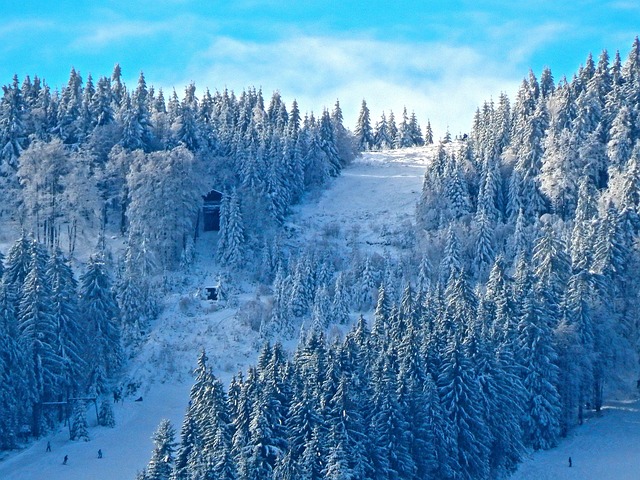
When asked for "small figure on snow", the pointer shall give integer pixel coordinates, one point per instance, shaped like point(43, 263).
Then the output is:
point(66, 457)
point(48, 446)
point(570, 462)
point(99, 453)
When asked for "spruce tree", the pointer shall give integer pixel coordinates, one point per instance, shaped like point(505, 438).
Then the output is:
point(161, 463)
point(71, 335)
point(38, 331)
point(231, 247)
point(363, 132)
point(105, 415)
point(539, 375)
point(100, 312)
point(79, 422)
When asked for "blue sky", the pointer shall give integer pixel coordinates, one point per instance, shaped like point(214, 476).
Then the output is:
point(439, 58)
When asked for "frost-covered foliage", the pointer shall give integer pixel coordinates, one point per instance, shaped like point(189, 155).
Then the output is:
point(95, 156)
point(79, 422)
point(413, 398)
point(105, 415)
point(525, 259)
point(542, 186)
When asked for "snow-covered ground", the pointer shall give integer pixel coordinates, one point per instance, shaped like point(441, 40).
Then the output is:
point(371, 203)
point(368, 204)
point(126, 449)
point(605, 447)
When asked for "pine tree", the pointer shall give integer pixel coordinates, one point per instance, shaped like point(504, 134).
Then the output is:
point(69, 111)
point(428, 134)
point(105, 415)
point(321, 310)
point(17, 386)
point(38, 330)
point(185, 128)
point(620, 144)
point(539, 376)
point(484, 246)
point(328, 143)
point(71, 335)
point(582, 235)
point(301, 293)
point(551, 265)
point(450, 264)
point(232, 241)
point(100, 311)
point(340, 304)
point(161, 463)
point(363, 131)
point(366, 287)
point(457, 192)
point(12, 126)
point(415, 132)
point(389, 426)
point(347, 433)
point(460, 396)
point(382, 138)
point(79, 422)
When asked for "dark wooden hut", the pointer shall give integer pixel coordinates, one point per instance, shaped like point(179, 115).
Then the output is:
point(211, 211)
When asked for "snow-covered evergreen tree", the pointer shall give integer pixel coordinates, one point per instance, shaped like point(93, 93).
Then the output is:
point(105, 415)
point(161, 462)
point(100, 312)
point(79, 422)
point(231, 245)
point(363, 132)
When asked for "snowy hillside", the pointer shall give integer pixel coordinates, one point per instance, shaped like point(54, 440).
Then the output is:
point(371, 203)
point(368, 204)
point(373, 196)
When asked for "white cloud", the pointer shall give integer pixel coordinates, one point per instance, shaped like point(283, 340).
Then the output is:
point(535, 38)
point(441, 82)
point(12, 28)
point(123, 31)
point(112, 29)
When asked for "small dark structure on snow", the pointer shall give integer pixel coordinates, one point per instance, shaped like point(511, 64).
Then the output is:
point(211, 211)
point(212, 293)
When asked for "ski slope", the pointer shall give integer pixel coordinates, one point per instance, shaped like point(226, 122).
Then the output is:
point(371, 201)
point(605, 447)
point(368, 205)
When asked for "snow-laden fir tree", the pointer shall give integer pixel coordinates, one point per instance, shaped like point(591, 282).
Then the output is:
point(100, 311)
point(382, 136)
point(79, 429)
point(71, 334)
point(39, 332)
point(231, 244)
point(341, 300)
point(106, 417)
point(161, 463)
point(539, 375)
point(363, 132)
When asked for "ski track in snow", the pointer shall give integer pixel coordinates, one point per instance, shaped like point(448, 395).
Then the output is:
point(370, 201)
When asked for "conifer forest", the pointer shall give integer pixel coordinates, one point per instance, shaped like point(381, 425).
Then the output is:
point(498, 320)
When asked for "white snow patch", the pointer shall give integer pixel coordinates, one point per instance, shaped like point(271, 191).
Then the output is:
point(605, 447)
